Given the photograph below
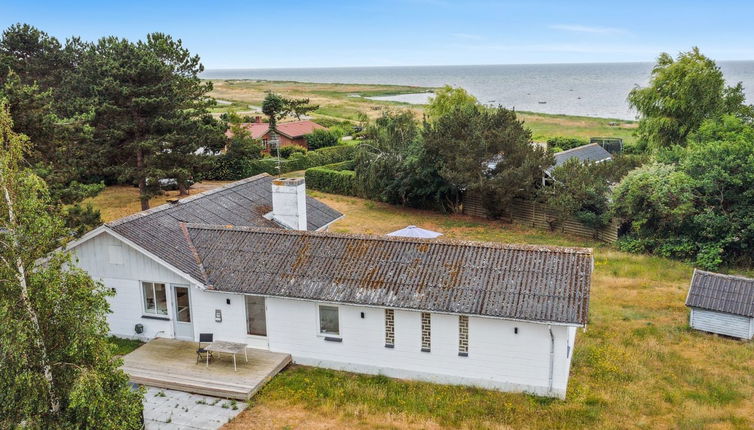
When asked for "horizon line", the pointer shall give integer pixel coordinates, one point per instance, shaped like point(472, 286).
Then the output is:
point(451, 65)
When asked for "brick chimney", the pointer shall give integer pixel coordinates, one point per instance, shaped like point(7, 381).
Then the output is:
point(289, 202)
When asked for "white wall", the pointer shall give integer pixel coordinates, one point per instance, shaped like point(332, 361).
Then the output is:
point(233, 325)
point(121, 267)
point(722, 323)
point(498, 358)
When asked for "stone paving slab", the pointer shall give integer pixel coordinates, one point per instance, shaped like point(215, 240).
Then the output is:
point(174, 410)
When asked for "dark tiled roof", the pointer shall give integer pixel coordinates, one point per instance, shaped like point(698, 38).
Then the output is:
point(591, 152)
point(509, 281)
point(241, 203)
point(722, 293)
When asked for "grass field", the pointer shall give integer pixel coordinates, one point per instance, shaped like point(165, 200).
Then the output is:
point(637, 365)
point(337, 101)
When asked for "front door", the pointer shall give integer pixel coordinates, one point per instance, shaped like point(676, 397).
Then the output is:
point(184, 329)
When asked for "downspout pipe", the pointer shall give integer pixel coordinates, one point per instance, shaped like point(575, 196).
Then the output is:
point(552, 358)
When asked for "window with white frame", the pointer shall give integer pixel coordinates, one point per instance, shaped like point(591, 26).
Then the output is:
point(155, 298)
point(329, 323)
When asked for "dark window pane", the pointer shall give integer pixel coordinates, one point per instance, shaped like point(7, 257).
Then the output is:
point(182, 310)
point(328, 320)
point(161, 298)
point(256, 320)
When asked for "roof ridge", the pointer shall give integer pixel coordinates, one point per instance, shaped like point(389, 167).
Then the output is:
point(383, 238)
point(578, 147)
point(194, 252)
point(165, 206)
point(724, 275)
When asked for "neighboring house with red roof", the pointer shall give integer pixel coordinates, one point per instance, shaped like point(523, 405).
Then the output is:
point(290, 133)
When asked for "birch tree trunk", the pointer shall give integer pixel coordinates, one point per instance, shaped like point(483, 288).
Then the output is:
point(28, 308)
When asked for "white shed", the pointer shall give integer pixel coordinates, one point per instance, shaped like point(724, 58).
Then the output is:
point(722, 304)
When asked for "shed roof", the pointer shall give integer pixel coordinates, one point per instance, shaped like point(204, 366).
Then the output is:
point(242, 203)
point(537, 283)
point(722, 293)
point(591, 152)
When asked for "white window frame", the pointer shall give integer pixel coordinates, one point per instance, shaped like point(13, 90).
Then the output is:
point(319, 321)
point(168, 303)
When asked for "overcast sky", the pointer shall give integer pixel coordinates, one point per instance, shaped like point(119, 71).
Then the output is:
point(252, 34)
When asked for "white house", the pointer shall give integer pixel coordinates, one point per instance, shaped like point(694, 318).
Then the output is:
point(722, 304)
point(245, 263)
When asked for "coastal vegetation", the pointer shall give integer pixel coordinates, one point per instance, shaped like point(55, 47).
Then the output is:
point(696, 201)
point(348, 102)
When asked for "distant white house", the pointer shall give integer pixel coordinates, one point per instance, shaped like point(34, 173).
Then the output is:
point(246, 263)
point(722, 304)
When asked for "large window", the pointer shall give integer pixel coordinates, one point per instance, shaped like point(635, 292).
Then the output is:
point(256, 320)
point(328, 320)
point(155, 298)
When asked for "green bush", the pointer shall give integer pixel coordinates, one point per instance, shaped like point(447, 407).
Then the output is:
point(231, 169)
point(322, 139)
point(320, 157)
point(287, 151)
point(334, 178)
point(558, 144)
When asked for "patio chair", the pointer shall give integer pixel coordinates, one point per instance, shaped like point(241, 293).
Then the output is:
point(201, 353)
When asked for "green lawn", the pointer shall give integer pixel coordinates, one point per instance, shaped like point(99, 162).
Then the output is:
point(124, 346)
point(544, 126)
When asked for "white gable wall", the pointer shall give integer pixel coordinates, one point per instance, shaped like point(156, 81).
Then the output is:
point(119, 266)
point(99, 256)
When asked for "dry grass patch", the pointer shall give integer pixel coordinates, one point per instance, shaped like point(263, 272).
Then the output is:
point(117, 201)
point(335, 100)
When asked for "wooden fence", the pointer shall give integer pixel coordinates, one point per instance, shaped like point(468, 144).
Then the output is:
point(534, 215)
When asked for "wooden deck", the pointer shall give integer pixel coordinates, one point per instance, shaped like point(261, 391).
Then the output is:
point(171, 364)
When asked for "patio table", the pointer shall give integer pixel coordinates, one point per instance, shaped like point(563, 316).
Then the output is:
point(234, 348)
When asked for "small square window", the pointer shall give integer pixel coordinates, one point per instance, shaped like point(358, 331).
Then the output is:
point(329, 323)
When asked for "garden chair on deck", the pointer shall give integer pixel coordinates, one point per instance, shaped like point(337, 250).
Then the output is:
point(201, 353)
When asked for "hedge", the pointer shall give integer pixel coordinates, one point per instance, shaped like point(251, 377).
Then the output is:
point(227, 169)
point(336, 178)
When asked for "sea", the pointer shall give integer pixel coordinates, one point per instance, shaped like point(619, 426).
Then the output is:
point(587, 89)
